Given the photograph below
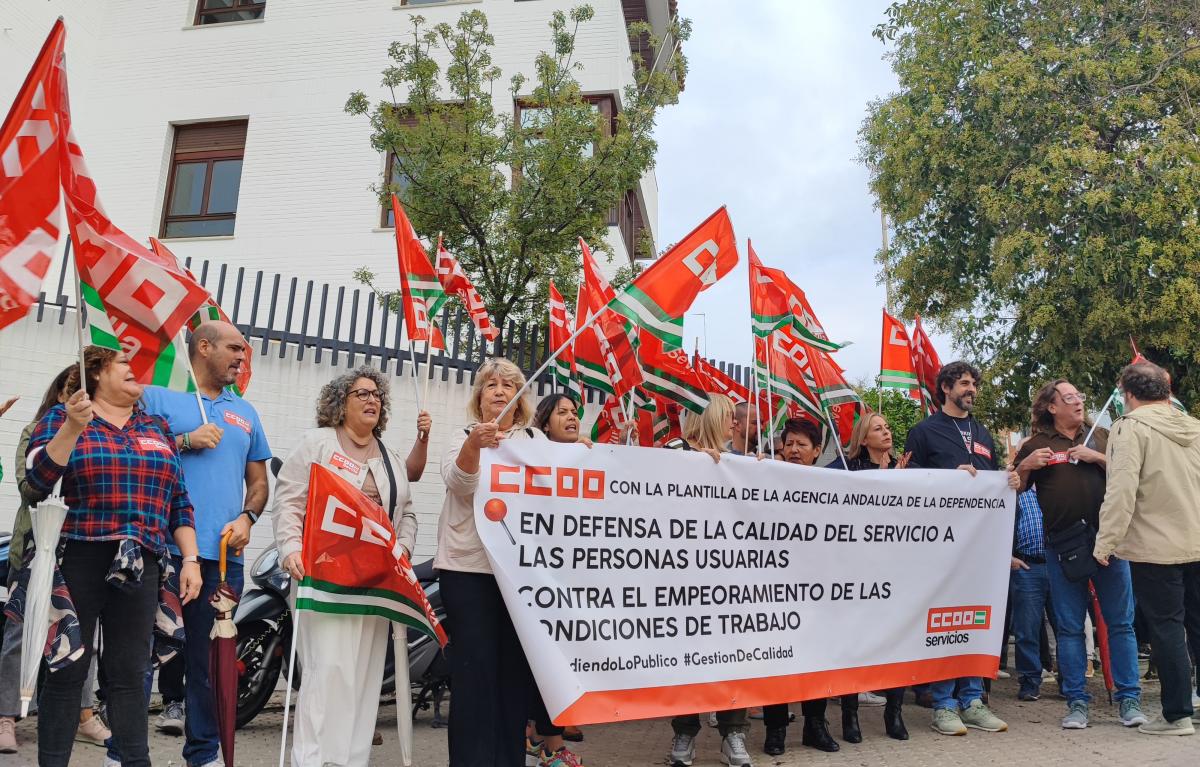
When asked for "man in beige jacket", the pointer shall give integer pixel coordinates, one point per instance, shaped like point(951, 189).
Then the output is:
point(1151, 518)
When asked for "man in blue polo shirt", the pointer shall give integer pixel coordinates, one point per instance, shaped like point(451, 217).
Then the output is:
point(224, 457)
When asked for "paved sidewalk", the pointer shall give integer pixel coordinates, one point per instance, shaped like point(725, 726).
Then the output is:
point(1034, 738)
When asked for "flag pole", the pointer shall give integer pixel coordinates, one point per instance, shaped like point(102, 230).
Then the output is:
point(79, 325)
point(837, 439)
point(192, 374)
point(1099, 414)
point(587, 323)
point(287, 696)
point(770, 408)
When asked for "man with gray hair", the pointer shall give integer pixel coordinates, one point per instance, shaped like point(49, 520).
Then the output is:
point(1151, 519)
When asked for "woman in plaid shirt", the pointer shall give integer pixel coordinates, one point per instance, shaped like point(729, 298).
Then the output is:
point(122, 480)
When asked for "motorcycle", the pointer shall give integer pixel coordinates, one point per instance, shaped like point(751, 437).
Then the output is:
point(264, 622)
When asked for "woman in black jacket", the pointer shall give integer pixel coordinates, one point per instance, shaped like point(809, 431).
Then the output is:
point(871, 448)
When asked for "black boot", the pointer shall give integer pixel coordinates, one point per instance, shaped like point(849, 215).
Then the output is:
point(850, 729)
point(775, 742)
point(816, 735)
point(893, 722)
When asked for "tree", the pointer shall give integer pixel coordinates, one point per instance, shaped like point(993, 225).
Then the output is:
point(1040, 166)
point(511, 197)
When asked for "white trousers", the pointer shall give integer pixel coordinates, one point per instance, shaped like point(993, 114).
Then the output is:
point(341, 662)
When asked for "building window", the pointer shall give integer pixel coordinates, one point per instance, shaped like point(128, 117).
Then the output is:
point(426, 2)
point(399, 182)
point(206, 174)
point(533, 118)
point(224, 11)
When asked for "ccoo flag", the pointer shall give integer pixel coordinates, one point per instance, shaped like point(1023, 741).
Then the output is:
point(660, 296)
point(30, 145)
point(353, 561)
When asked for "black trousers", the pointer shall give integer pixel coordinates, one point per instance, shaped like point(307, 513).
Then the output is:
point(489, 675)
point(776, 715)
point(1169, 596)
point(126, 618)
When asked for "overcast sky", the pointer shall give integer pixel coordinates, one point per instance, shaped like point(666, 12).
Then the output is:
point(768, 126)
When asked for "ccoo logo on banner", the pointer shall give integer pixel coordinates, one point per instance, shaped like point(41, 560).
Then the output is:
point(648, 582)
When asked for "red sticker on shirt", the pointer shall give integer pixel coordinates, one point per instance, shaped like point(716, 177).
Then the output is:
point(237, 421)
point(342, 462)
point(982, 450)
point(149, 443)
point(1056, 458)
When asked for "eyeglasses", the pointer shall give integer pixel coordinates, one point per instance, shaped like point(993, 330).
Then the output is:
point(1072, 399)
point(366, 395)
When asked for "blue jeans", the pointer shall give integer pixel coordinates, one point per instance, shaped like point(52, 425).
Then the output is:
point(1027, 594)
point(956, 693)
point(1070, 602)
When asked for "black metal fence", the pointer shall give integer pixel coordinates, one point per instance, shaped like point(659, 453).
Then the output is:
point(347, 326)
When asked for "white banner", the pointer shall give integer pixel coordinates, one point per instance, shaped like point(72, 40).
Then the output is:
point(649, 582)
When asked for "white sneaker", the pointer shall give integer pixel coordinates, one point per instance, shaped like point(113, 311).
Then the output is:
point(683, 750)
point(871, 699)
point(1002, 674)
point(712, 718)
point(1195, 707)
point(733, 750)
point(110, 762)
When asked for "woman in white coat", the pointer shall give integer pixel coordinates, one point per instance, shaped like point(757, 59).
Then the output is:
point(342, 656)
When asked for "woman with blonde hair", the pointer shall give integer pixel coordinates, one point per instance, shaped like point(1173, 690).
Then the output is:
point(710, 432)
point(870, 446)
point(343, 656)
point(488, 671)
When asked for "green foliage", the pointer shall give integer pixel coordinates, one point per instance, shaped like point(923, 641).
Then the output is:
point(510, 199)
point(1040, 166)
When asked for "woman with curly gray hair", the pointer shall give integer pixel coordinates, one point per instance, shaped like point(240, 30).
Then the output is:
point(343, 655)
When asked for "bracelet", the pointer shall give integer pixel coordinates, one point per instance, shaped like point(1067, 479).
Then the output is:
point(191, 560)
point(187, 440)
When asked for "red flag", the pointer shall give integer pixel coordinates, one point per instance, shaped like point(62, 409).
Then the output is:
point(419, 286)
point(897, 363)
point(210, 311)
point(787, 362)
point(927, 364)
point(612, 349)
point(718, 382)
point(148, 298)
point(30, 147)
point(455, 282)
point(610, 419)
point(353, 560)
point(669, 374)
point(667, 423)
point(658, 297)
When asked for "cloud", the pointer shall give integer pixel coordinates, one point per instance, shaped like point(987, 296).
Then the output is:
point(768, 126)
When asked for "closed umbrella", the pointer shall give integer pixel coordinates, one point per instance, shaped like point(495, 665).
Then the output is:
point(1102, 642)
point(48, 517)
point(222, 659)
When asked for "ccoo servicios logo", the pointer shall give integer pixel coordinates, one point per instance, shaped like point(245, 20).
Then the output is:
point(949, 625)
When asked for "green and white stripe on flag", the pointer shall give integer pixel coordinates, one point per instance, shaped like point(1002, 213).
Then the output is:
point(336, 599)
point(595, 376)
point(674, 389)
point(98, 328)
point(639, 310)
point(766, 324)
point(898, 379)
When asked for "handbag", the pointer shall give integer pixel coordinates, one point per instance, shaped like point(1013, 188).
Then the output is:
point(1074, 547)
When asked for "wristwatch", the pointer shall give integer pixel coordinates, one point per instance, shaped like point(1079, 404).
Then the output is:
point(192, 558)
point(253, 517)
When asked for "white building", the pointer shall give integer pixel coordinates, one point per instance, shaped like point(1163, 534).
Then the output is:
point(218, 125)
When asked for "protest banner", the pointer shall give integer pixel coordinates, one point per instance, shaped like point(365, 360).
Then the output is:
point(647, 582)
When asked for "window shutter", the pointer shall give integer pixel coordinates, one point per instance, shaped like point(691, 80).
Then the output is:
point(210, 137)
